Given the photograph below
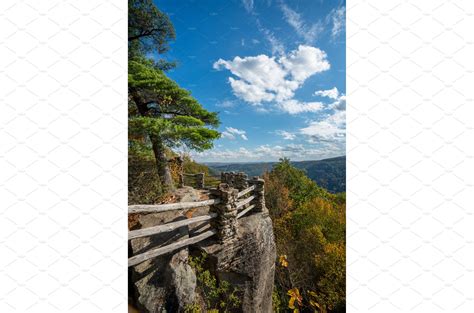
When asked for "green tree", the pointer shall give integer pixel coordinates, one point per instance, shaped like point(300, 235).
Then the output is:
point(149, 31)
point(161, 114)
point(166, 115)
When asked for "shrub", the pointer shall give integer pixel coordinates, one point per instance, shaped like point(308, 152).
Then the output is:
point(219, 296)
point(144, 185)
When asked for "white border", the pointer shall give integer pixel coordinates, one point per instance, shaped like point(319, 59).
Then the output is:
point(63, 154)
point(410, 156)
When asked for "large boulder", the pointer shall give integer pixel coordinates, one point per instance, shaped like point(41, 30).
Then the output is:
point(248, 262)
point(166, 283)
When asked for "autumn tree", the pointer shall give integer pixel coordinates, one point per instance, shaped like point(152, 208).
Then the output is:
point(309, 227)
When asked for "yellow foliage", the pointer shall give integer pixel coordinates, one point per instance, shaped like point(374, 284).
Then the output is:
point(294, 294)
point(309, 228)
point(283, 260)
point(312, 301)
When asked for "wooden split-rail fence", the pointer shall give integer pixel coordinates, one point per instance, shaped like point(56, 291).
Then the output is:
point(234, 197)
point(198, 179)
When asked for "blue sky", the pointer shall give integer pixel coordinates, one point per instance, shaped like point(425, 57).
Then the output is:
point(275, 70)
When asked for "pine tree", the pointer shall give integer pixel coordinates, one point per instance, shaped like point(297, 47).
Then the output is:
point(161, 114)
point(167, 114)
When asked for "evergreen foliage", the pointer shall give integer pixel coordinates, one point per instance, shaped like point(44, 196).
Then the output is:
point(149, 29)
point(163, 110)
point(162, 115)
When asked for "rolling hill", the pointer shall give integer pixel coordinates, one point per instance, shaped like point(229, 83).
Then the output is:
point(328, 173)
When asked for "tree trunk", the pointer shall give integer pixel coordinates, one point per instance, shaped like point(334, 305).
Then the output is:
point(157, 146)
point(162, 164)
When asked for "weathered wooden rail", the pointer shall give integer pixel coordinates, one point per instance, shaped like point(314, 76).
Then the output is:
point(169, 226)
point(158, 208)
point(232, 199)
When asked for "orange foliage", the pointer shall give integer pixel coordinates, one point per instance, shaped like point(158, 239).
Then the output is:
point(309, 228)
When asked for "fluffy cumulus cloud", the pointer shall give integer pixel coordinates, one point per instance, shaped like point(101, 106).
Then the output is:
point(339, 100)
point(293, 106)
point(330, 93)
point(305, 62)
point(331, 128)
point(286, 135)
point(232, 133)
point(260, 79)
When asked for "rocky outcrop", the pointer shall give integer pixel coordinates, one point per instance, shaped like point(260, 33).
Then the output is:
point(166, 283)
point(248, 263)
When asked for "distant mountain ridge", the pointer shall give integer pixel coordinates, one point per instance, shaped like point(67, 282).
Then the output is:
point(327, 173)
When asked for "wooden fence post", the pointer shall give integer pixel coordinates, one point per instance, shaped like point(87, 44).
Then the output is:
point(181, 180)
point(259, 194)
point(200, 180)
point(226, 209)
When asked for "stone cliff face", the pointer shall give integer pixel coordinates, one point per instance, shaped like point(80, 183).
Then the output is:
point(248, 263)
point(168, 283)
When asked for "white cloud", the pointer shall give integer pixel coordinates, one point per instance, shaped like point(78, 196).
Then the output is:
point(293, 106)
point(264, 79)
point(235, 131)
point(272, 153)
point(276, 45)
point(330, 93)
point(286, 135)
point(227, 135)
point(338, 21)
point(261, 78)
point(308, 32)
point(231, 133)
point(305, 62)
point(339, 99)
point(339, 103)
point(331, 128)
point(254, 94)
point(226, 104)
